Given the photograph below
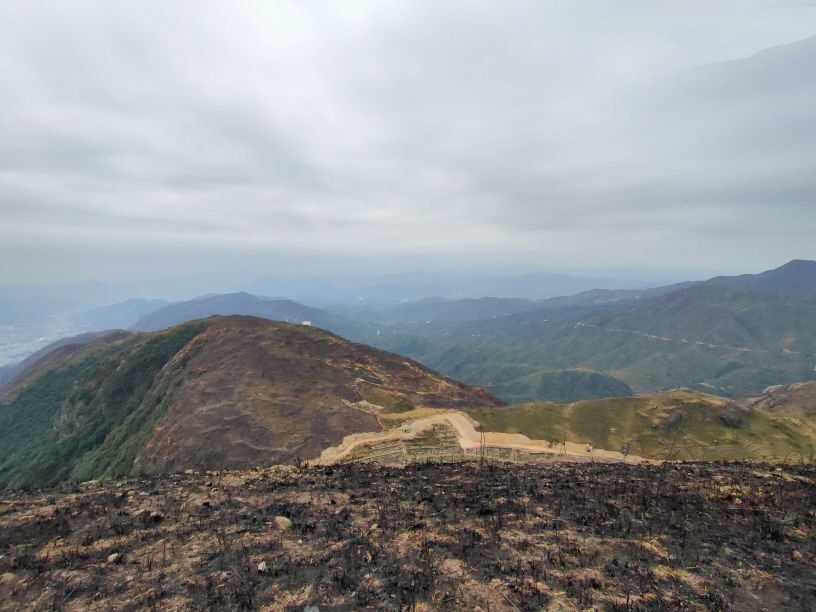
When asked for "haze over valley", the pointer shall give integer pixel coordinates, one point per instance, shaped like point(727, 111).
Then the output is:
point(730, 336)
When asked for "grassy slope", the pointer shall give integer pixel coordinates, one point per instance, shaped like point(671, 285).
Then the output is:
point(671, 425)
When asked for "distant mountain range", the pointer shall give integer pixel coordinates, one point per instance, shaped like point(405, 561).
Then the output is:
point(440, 309)
point(797, 277)
point(731, 335)
point(728, 335)
point(398, 288)
point(398, 335)
point(240, 391)
point(233, 304)
point(122, 315)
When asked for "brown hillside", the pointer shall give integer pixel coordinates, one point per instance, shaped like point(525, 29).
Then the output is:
point(258, 392)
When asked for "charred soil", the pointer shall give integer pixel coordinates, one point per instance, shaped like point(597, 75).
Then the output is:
point(471, 536)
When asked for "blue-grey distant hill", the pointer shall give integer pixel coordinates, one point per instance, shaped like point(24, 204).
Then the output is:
point(399, 288)
point(121, 315)
point(728, 335)
point(797, 277)
point(246, 304)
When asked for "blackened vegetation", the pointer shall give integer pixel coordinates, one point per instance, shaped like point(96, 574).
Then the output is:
point(462, 536)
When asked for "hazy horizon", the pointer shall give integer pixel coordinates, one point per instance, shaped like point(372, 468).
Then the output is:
point(197, 147)
point(195, 283)
point(93, 292)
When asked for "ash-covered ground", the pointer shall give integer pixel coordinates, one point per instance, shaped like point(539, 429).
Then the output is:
point(471, 536)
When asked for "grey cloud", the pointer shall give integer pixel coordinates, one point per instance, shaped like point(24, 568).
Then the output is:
point(463, 131)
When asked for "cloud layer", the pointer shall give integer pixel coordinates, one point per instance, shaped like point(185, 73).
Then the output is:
point(243, 138)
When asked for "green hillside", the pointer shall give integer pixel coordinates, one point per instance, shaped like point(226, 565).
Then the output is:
point(706, 337)
point(679, 424)
point(559, 386)
point(88, 417)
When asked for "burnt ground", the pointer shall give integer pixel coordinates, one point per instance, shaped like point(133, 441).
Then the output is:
point(458, 536)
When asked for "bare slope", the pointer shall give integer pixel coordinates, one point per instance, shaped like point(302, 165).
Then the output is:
point(260, 393)
point(452, 435)
point(230, 392)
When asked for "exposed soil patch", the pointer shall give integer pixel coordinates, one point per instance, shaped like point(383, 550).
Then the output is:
point(379, 446)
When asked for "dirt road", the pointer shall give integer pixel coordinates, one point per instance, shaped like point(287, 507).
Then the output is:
point(469, 438)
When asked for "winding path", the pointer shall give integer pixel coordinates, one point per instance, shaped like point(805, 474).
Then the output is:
point(469, 438)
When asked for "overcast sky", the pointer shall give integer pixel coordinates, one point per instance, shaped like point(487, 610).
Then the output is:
point(226, 140)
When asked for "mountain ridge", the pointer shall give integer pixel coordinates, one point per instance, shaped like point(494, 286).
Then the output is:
point(798, 276)
point(233, 392)
point(714, 336)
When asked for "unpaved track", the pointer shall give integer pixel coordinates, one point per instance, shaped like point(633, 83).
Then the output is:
point(469, 438)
